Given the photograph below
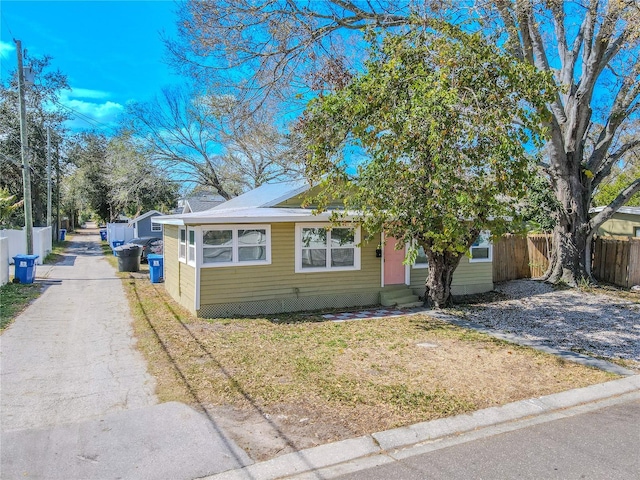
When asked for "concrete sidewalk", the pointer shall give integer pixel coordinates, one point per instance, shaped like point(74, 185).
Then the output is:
point(382, 448)
point(76, 400)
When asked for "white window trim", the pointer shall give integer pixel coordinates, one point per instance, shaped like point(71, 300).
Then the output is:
point(192, 259)
point(234, 250)
point(182, 258)
point(156, 227)
point(486, 244)
point(328, 268)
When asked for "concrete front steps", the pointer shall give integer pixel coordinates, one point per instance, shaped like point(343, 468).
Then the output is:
point(399, 296)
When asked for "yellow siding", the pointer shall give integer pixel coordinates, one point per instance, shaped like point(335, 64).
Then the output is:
point(622, 224)
point(279, 280)
point(469, 278)
point(179, 278)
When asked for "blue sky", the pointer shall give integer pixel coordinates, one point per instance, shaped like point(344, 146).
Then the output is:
point(111, 51)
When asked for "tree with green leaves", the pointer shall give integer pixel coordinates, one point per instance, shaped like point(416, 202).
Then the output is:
point(43, 110)
point(9, 206)
point(91, 171)
point(443, 124)
point(621, 176)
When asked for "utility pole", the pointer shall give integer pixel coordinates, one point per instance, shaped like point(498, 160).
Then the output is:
point(58, 219)
point(49, 219)
point(26, 168)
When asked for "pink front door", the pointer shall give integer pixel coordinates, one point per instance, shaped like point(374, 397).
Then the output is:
point(393, 267)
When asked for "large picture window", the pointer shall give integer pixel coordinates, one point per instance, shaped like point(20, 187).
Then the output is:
point(231, 245)
point(320, 248)
point(482, 249)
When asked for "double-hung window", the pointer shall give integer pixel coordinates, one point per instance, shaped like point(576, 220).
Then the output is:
point(191, 246)
point(482, 249)
point(182, 244)
point(320, 247)
point(236, 245)
point(156, 227)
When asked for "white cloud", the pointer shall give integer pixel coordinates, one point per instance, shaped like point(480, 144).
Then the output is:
point(87, 93)
point(90, 114)
point(6, 49)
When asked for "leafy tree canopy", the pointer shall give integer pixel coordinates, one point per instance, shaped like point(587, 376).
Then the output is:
point(445, 126)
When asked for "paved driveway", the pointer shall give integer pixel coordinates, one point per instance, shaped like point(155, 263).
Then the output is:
point(76, 400)
point(70, 355)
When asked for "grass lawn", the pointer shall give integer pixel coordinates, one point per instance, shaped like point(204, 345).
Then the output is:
point(286, 383)
point(14, 297)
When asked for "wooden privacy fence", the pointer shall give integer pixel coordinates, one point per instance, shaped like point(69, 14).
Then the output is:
point(517, 256)
point(615, 259)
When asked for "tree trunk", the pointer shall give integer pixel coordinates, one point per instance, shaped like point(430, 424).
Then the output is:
point(439, 277)
point(568, 262)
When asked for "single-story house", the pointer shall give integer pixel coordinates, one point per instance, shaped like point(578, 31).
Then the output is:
point(144, 226)
point(625, 222)
point(261, 253)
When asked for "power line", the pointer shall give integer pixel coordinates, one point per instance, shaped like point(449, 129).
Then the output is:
point(91, 121)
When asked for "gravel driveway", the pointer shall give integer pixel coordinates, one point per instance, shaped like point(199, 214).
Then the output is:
point(591, 323)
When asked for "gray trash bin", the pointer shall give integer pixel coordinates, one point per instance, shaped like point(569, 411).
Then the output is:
point(128, 257)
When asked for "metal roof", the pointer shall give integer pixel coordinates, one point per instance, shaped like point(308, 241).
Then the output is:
point(248, 215)
point(267, 195)
point(627, 210)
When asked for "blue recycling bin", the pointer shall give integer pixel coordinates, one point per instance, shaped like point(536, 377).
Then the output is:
point(156, 267)
point(25, 268)
point(63, 234)
point(103, 235)
point(114, 244)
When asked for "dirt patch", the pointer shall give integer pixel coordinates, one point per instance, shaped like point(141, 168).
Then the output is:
point(277, 387)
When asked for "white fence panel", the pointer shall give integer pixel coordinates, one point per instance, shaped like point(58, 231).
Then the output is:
point(4, 260)
point(17, 242)
point(42, 243)
point(119, 232)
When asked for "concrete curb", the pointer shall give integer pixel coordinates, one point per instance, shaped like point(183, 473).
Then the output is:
point(384, 447)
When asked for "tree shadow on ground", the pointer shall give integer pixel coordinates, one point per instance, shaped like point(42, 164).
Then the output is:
point(567, 319)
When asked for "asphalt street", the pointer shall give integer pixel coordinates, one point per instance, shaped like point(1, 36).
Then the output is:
point(601, 444)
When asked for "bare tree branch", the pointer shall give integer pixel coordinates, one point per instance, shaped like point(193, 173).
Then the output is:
point(613, 207)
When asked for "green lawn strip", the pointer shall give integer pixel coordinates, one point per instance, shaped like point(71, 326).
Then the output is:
point(15, 297)
point(57, 252)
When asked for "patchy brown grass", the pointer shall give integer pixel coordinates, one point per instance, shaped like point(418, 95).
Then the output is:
point(287, 383)
point(613, 291)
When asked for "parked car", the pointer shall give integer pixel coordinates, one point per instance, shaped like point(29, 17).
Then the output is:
point(149, 245)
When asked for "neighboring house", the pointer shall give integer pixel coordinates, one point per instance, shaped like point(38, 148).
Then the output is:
point(625, 222)
point(261, 253)
point(198, 203)
point(145, 226)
